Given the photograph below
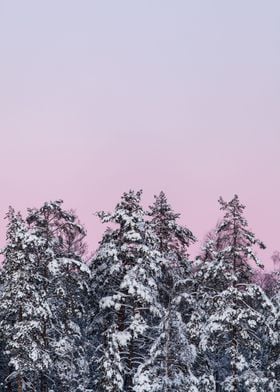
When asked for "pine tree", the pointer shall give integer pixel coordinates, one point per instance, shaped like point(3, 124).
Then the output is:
point(233, 325)
point(170, 359)
point(66, 277)
point(168, 366)
point(273, 354)
point(173, 243)
point(24, 308)
point(124, 286)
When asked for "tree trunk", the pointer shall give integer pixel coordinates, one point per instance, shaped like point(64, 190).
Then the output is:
point(167, 347)
point(19, 377)
point(19, 383)
point(9, 385)
point(128, 382)
point(233, 365)
point(44, 385)
point(121, 318)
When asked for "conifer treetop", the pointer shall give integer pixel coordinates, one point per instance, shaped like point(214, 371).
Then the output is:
point(172, 235)
point(235, 239)
point(126, 212)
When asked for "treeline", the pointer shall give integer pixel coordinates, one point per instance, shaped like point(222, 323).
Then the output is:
point(140, 316)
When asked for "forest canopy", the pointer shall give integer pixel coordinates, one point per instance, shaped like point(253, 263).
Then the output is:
point(140, 315)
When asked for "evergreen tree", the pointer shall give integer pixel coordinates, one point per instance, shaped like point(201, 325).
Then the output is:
point(66, 277)
point(24, 308)
point(170, 359)
point(173, 242)
point(168, 366)
point(274, 350)
point(125, 295)
point(232, 322)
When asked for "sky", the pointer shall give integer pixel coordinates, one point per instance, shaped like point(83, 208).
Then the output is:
point(98, 97)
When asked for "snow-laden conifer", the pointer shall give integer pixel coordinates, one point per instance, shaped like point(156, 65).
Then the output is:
point(65, 281)
point(173, 243)
point(236, 319)
point(168, 366)
point(125, 273)
point(274, 350)
point(24, 308)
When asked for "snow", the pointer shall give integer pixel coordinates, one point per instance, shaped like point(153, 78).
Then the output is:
point(141, 314)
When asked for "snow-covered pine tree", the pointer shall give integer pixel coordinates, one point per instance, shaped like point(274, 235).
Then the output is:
point(66, 276)
point(274, 350)
point(169, 364)
point(173, 243)
point(237, 319)
point(24, 308)
point(124, 286)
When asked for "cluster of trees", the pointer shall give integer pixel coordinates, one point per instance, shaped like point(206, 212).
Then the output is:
point(140, 317)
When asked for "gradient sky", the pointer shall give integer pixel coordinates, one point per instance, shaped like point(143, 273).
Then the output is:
point(97, 97)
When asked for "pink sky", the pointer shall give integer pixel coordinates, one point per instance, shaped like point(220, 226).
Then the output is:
point(97, 97)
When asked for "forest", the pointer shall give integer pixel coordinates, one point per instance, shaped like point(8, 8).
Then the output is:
point(140, 315)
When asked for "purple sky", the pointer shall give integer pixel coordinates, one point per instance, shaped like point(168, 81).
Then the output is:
point(97, 97)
